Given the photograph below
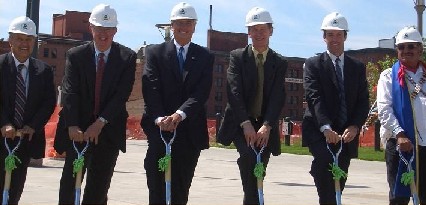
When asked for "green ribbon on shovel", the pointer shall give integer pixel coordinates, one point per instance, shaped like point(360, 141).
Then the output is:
point(78, 165)
point(10, 162)
point(407, 177)
point(337, 172)
point(259, 170)
point(163, 162)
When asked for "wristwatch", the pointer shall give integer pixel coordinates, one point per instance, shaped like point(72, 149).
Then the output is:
point(103, 120)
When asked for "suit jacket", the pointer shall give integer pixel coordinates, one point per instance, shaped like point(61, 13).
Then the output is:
point(40, 103)
point(165, 90)
point(322, 96)
point(78, 93)
point(242, 81)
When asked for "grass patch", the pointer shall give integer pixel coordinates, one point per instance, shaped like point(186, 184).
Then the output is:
point(364, 153)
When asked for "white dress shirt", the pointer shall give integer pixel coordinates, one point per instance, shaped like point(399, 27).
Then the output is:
point(384, 105)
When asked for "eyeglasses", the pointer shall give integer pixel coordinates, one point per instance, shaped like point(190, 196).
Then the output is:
point(409, 46)
point(100, 29)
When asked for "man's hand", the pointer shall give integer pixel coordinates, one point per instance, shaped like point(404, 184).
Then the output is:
point(403, 142)
point(176, 119)
point(27, 130)
point(350, 133)
point(166, 124)
point(263, 136)
point(8, 131)
point(249, 133)
point(75, 134)
point(331, 136)
point(93, 131)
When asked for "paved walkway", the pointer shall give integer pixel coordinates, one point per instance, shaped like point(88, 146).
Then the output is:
point(217, 180)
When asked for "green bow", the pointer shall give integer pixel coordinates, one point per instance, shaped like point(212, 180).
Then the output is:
point(259, 170)
point(10, 162)
point(163, 163)
point(407, 177)
point(78, 165)
point(337, 172)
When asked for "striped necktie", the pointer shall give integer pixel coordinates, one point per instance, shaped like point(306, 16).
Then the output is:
point(20, 98)
point(100, 67)
point(342, 114)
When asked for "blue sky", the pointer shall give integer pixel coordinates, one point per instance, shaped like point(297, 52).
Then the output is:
point(296, 22)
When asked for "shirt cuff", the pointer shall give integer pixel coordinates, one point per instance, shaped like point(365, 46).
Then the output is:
point(181, 113)
point(325, 127)
point(242, 124)
point(397, 130)
point(158, 119)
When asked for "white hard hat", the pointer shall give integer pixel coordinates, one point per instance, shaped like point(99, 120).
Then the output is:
point(103, 15)
point(183, 11)
point(257, 16)
point(408, 35)
point(23, 25)
point(335, 21)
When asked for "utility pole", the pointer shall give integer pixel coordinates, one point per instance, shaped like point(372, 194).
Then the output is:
point(33, 12)
point(420, 7)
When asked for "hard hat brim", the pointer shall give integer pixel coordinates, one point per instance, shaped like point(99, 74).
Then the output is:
point(20, 32)
point(257, 23)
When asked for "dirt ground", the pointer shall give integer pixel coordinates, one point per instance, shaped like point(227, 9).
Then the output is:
point(135, 108)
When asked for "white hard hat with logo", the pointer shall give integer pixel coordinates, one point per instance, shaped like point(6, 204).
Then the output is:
point(335, 21)
point(103, 15)
point(23, 25)
point(408, 35)
point(257, 16)
point(183, 10)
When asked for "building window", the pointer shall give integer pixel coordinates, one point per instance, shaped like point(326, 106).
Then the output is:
point(218, 96)
point(46, 52)
point(54, 53)
point(219, 82)
point(219, 68)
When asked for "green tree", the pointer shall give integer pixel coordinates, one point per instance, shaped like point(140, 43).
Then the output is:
point(373, 74)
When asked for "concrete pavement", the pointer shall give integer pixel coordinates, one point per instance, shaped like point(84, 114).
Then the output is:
point(217, 181)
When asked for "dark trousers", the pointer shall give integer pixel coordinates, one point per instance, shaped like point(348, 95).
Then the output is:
point(184, 160)
point(392, 162)
point(320, 167)
point(99, 163)
point(246, 163)
point(19, 175)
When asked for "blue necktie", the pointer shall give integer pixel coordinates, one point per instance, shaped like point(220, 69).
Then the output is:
point(342, 116)
point(181, 61)
point(20, 98)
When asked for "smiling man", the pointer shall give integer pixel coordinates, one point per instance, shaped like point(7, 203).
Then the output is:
point(98, 80)
point(255, 98)
point(401, 103)
point(27, 101)
point(337, 95)
point(176, 84)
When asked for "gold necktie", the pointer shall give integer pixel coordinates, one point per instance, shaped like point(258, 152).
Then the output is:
point(256, 108)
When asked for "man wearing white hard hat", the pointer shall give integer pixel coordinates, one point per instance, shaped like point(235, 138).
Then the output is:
point(255, 98)
point(27, 101)
point(98, 80)
point(337, 95)
point(401, 103)
point(176, 83)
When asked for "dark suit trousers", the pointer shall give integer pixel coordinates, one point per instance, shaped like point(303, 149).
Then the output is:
point(320, 167)
point(392, 162)
point(246, 163)
point(99, 161)
point(19, 175)
point(184, 160)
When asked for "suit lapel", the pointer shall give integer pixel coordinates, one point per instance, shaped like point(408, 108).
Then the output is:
point(173, 61)
point(11, 79)
point(329, 68)
point(251, 67)
point(90, 69)
point(32, 75)
point(111, 68)
point(191, 57)
point(348, 73)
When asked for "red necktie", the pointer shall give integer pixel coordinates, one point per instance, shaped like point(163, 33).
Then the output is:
point(100, 67)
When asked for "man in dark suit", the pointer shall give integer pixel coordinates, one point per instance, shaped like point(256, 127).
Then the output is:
point(176, 83)
point(255, 98)
point(98, 80)
point(337, 106)
point(27, 101)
